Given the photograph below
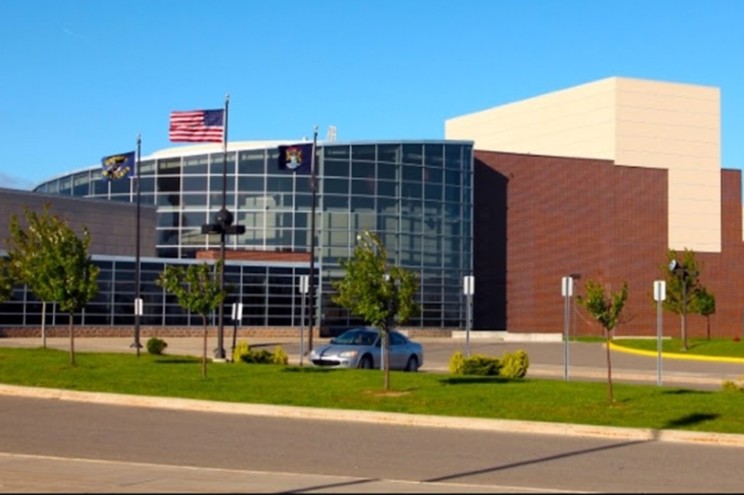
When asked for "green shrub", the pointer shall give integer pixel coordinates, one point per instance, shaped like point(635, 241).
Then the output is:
point(244, 353)
point(734, 385)
point(156, 345)
point(514, 364)
point(511, 365)
point(241, 349)
point(481, 365)
point(456, 363)
point(279, 356)
point(261, 356)
point(477, 364)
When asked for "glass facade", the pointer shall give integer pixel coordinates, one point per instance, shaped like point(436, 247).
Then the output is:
point(267, 292)
point(417, 196)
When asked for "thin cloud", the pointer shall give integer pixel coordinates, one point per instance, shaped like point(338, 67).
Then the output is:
point(72, 33)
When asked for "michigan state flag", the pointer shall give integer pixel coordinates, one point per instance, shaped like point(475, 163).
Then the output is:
point(296, 158)
point(117, 166)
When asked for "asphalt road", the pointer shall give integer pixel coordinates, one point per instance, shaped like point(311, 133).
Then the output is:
point(65, 446)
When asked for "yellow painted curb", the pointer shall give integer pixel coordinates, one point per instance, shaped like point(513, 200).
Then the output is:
point(676, 355)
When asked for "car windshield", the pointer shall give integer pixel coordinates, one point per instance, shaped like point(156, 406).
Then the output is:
point(356, 337)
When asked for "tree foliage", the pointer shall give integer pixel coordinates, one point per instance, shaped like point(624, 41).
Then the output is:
point(6, 280)
point(683, 289)
point(381, 293)
point(197, 290)
point(31, 262)
point(50, 258)
point(607, 309)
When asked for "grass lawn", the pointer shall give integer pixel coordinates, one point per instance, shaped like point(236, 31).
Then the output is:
point(643, 406)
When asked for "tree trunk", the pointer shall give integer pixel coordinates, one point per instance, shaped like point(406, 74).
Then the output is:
point(609, 368)
point(72, 342)
point(204, 348)
point(386, 358)
point(43, 324)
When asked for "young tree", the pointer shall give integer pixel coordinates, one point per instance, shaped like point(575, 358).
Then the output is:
point(198, 290)
point(53, 261)
point(682, 287)
point(705, 305)
point(30, 260)
point(606, 309)
point(380, 293)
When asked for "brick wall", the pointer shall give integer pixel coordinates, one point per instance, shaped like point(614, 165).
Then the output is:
point(540, 218)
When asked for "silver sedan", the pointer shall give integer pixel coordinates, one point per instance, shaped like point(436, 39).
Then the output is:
point(360, 348)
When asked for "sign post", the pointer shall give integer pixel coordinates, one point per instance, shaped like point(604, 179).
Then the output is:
point(237, 315)
point(468, 288)
point(566, 292)
point(304, 286)
point(659, 297)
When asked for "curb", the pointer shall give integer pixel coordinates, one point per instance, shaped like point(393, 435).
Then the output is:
point(400, 419)
point(676, 355)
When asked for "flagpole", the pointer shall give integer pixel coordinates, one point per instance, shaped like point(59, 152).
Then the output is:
point(311, 278)
point(220, 351)
point(137, 306)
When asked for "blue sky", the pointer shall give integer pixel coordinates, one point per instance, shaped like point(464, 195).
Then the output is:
point(81, 78)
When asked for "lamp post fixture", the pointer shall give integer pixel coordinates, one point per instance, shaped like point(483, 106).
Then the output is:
point(682, 273)
point(224, 227)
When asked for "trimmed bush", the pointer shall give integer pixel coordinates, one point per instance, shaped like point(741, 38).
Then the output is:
point(241, 349)
point(456, 363)
point(279, 356)
point(156, 345)
point(477, 364)
point(514, 364)
point(511, 365)
point(244, 353)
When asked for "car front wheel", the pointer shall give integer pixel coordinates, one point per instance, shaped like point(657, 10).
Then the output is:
point(412, 364)
point(366, 362)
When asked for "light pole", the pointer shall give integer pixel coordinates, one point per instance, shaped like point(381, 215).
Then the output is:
point(683, 274)
point(574, 278)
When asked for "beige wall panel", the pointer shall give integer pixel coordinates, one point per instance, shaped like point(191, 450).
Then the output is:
point(703, 103)
point(629, 115)
point(691, 133)
point(578, 121)
point(638, 158)
point(633, 122)
point(664, 88)
point(652, 145)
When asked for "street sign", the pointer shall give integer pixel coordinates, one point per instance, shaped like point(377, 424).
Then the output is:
point(237, 311)
point(304, 283)
point(659, 290)
point(567, 287)
point(468, 285)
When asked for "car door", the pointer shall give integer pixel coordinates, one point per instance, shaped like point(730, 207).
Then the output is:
point(398, 351)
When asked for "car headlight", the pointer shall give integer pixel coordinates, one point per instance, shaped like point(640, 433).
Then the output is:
point(348, 354)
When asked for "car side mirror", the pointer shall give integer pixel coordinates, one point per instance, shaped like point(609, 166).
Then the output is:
point(333, 341)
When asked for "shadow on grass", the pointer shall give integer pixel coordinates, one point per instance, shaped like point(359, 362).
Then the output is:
point(306, 369)
point(177, 361)
point(690, 420)
point(685, 391)
point(465, 380)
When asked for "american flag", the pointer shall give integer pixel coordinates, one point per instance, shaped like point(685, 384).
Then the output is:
point(197, 126)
